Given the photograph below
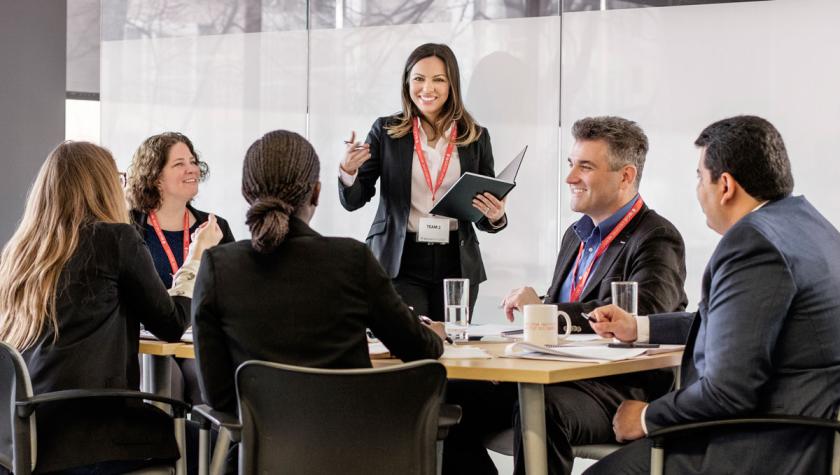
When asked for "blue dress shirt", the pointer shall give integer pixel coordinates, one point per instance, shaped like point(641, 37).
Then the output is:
point(591, 237)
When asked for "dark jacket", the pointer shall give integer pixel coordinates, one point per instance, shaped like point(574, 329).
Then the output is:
point(105, 291)
point(649, 251)
point(390, 163)
point(763, 341)
point(308, 303)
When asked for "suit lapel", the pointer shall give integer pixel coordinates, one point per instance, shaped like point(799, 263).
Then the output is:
point(607, 259)
point(405, 156)
point(465, 158)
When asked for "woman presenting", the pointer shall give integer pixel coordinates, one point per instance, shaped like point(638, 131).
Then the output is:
point(417, 155)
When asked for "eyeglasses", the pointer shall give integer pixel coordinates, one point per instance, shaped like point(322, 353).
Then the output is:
point(123, 179)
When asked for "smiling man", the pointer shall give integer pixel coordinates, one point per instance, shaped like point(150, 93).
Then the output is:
point(764, 338)
point(618, 238)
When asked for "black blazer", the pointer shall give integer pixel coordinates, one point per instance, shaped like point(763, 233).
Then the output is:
point(763, 341)
point(649, 251)
point(138, 218)
point(106, 290)
point(308, 303)
point(390, 162)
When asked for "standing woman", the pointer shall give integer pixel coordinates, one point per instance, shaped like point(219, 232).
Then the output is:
point(75, 284)
point(418, 154)
point(162, 180)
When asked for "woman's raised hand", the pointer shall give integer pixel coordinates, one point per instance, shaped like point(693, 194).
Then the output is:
point(355, 154)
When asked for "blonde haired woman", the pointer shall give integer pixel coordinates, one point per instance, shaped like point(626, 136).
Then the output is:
point(417, 155)
point(76, 282)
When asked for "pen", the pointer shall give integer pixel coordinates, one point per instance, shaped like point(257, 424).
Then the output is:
point(356, 146)
point(588, 317)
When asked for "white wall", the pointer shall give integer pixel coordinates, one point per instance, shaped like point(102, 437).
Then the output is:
point(674, 70)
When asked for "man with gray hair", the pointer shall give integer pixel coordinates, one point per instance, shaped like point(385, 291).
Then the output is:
point(618, 238)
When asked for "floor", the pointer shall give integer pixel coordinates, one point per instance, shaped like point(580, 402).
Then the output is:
point(505, 464)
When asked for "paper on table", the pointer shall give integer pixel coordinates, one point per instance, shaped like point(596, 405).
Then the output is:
point(464, 352)
point(491, 329)
point(595, 353)
point(378, 350)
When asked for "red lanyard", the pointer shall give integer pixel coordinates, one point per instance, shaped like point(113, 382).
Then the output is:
point(577, 287)
point(165, 244)
point(445, 166)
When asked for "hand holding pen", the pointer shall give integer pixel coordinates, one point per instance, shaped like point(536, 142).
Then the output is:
point(355, 154)
point(612, 322)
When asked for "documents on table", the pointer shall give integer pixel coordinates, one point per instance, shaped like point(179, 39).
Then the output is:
point(595, 352)
point(379, 351)
point(464, 352)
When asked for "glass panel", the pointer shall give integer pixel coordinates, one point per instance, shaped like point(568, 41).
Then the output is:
point(510, 76)
point(223, 91)
point(695, 65)
point(356, 13)
point(584, 5)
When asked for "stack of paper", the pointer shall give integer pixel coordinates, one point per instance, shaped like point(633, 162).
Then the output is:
point(599, 353)
point(464, 352)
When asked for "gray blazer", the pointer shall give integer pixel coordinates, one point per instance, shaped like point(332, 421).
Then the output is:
point(763, 341)
point(390, 163)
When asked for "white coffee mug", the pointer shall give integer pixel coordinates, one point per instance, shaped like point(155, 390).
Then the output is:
point(541, 324)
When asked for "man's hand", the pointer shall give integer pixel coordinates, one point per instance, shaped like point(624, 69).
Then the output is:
point(614, 322)
point(517, 299)
point(627, 423)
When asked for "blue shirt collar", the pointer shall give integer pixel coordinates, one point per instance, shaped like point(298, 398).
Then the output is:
point(585, 228)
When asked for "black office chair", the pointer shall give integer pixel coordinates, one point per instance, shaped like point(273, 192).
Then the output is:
point(313, 421)
point(659, 438)
point(18, 410)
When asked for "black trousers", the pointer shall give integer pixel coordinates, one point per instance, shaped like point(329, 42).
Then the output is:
point(577, 413)
point(422, 270)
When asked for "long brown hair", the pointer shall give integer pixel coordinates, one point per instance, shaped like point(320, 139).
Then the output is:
point(453, 109)
point(146, 166)
point(279, 173)
point(77, 185)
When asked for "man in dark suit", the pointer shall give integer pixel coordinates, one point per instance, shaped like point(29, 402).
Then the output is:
point(618, 239)
point(764, 338)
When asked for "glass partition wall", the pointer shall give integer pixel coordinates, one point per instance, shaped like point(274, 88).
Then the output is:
point(225, 72)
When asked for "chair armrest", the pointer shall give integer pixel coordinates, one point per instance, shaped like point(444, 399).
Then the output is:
point(206, 416)
point(450, 414)
point(27, 407)
point(685, 429)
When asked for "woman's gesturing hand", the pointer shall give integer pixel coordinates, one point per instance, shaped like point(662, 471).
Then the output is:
point(355, 155)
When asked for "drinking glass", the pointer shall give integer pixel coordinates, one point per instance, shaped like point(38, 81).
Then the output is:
point(456, 305)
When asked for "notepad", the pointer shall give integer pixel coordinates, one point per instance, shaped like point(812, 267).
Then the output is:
point(457, 202)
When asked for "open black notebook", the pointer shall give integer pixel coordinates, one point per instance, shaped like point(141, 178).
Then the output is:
point(457, 202)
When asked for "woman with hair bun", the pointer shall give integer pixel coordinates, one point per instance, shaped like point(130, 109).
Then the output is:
point(290, 295)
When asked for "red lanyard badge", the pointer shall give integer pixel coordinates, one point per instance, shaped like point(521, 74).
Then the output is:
point(577, 287)
point(165, 244)
point(423, 165)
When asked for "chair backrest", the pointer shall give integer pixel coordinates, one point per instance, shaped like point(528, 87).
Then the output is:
point(359, 421)
point(16, 440)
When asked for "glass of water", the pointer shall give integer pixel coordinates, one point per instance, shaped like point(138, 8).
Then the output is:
point(456, 305)
point(625, 295)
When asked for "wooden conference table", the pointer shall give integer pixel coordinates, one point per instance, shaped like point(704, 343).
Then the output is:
point(530, 375)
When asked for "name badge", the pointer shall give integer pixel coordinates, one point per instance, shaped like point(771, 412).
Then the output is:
point(433, 230)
